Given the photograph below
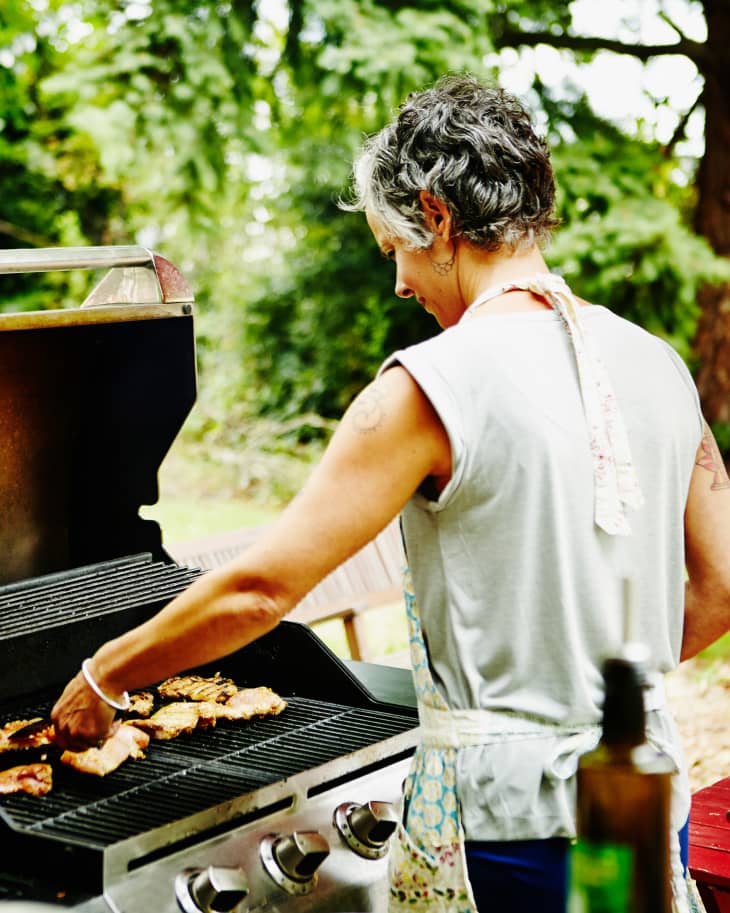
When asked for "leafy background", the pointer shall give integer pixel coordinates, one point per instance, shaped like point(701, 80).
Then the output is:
point(221, 134)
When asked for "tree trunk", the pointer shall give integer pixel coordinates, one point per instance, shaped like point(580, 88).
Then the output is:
point(712, 344)
point(712, 220)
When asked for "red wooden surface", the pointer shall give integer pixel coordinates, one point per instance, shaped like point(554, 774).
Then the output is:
point(709, 845)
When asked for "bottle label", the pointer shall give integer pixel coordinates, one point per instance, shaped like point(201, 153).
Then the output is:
point(600, 878)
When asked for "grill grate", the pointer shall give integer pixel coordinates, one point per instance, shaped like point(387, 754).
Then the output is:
point(49, 624)
point(205, 779)
point(197, 772)
point(89, 592)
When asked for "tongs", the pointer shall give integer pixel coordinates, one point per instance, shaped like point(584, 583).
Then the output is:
point(29, 729)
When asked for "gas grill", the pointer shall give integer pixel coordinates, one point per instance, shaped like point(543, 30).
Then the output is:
point(291, 812)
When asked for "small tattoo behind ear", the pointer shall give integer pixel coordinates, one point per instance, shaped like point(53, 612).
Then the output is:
point(444, 267)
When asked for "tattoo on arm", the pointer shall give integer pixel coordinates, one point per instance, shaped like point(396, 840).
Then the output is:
point(368, 410)
point(709, 458)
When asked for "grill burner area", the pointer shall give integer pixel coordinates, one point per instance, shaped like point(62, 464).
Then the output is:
point(344, 881)
point(91, 832)
point(195, 773)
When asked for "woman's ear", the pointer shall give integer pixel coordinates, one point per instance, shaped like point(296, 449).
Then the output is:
point(436, 214)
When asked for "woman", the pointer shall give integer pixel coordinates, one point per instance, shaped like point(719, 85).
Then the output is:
point(540, 450)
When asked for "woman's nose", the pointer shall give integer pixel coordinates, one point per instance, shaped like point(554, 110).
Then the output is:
point(402, 290)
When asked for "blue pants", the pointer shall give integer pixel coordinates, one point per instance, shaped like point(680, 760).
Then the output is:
point(523, 876)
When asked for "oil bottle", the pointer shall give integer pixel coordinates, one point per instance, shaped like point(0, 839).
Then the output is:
point(620, 862)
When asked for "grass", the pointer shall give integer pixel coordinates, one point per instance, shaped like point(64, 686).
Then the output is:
point(719, 650)
point(186, 517)
point(198, 498)
point(385, 634)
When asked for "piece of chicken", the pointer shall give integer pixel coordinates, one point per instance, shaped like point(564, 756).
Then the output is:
point(140, 704)
point(126, 741)
point(247, 703)
point(197, 688)
point(36, 738)
point(171, 720)
point(34, 779)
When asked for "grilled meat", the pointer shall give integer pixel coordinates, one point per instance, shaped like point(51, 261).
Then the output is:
point(172, 720)
point(35, 739)
point(34, 779)
point(126, 741)
point(140, 704)
point(197, 688)
point(249, 702)
point(244, 705)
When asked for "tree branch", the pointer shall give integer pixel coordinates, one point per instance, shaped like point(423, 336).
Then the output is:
point(679, 132)
point(22, 234)
point(696, 51)
point(672, 25)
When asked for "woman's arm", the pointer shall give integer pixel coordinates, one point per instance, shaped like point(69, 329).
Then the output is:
point(389, 441)
point(707, 537)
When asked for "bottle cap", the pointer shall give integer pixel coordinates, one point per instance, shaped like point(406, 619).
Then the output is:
point(625, 678)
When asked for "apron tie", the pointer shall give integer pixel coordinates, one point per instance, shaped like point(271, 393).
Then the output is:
point(444, 727)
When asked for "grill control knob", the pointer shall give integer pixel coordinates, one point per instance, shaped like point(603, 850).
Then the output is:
point(292, 861)
point(212, 890)
point(367, 828)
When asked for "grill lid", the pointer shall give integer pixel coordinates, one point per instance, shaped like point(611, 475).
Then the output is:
point(91, 399)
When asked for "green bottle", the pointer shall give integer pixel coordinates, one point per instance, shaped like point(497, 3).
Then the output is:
point(620, 862)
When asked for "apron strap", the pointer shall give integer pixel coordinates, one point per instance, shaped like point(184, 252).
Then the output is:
point(616, 486)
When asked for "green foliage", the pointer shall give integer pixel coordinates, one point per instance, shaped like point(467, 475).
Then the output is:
point(164, 93)
point(623, 241)
point(396, 47)
point(222, 133)
point(527, 15)
point(51, 189)
point(640, 261)
point(324, 314)
point(721, 430)
point(323, 324)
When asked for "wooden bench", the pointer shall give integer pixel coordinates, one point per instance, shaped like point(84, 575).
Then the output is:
point(709, 845)
point(369, 579)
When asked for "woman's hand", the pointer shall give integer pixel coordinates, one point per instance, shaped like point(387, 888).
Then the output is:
point(80, 718)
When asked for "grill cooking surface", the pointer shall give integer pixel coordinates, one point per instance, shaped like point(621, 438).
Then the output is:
point(92, 832)
point(198, 784)
point(196, 772)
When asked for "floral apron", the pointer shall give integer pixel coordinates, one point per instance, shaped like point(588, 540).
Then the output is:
point(427, 862)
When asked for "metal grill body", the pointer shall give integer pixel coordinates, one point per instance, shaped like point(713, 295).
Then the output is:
point(90, 401)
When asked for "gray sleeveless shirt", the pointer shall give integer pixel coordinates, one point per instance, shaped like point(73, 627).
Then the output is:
point(518, 590)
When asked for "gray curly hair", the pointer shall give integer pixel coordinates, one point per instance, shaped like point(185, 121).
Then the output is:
point(472, 146)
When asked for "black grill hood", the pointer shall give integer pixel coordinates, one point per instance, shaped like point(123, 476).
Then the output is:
point(91, 399)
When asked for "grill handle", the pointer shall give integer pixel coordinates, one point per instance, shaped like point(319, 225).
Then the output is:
point(136, 275)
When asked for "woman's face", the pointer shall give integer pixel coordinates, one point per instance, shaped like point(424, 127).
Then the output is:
point(429, 276)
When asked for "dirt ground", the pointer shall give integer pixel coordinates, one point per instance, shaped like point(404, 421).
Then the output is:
point(699, 693)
